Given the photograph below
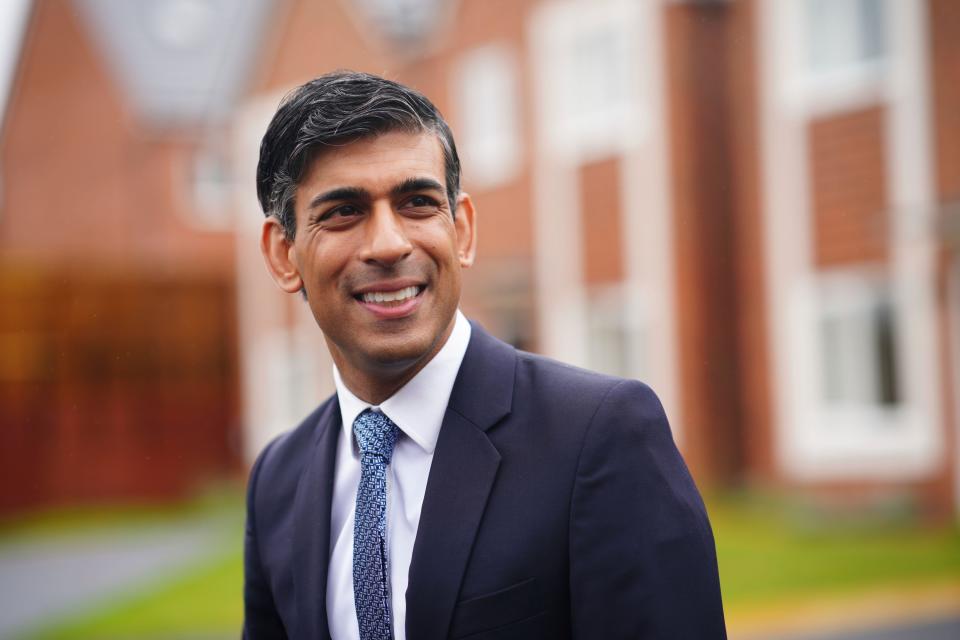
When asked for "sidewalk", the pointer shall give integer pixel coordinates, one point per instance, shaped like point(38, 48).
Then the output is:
point(53, 576)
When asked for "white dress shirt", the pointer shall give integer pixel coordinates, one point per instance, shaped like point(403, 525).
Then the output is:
point(417, 409)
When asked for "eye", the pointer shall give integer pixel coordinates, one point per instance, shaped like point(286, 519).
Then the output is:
point(339, 216)
point(343, 211)
point(421, 201)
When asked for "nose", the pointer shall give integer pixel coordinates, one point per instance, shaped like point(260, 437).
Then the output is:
point(386, 242)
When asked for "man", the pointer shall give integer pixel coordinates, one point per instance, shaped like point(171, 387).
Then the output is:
point(453, 487)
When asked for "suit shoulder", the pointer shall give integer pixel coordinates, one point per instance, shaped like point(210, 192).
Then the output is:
point(565, 381)
point(284, 457)
point(608, 406)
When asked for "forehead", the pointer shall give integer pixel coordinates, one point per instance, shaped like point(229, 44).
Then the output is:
point(375, 164)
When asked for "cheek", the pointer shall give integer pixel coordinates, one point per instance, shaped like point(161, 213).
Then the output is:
point(435, 231)
point(323, 261)
point(440, 244)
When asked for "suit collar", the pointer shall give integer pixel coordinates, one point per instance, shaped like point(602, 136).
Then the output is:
point(483, 391)
point(464, 468)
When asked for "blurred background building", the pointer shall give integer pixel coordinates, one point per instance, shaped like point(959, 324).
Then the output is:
point(752, 205)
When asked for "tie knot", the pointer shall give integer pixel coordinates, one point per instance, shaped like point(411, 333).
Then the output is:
point(376, 434)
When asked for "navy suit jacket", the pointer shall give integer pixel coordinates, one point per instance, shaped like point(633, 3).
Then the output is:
point(557, 506)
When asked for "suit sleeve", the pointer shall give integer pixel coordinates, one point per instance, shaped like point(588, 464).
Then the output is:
point(261, 621)
point(642, 557)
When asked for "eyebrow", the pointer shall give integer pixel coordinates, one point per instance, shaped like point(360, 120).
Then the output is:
point(416, 184)
point(340, 193)
point(409, 185)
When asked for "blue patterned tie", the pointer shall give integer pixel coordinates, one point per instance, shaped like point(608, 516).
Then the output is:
point(376, 435)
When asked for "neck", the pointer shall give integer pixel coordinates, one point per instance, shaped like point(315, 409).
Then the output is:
point(376, 389)
point(375, 382)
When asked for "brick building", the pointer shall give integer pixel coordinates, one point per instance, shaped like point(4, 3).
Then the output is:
point(751, 205)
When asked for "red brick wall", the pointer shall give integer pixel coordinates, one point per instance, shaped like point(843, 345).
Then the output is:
point(753, 365)
point(312, 37)
point(848, 182)
point(700, 71)
point(944, 21)
point(601, 222)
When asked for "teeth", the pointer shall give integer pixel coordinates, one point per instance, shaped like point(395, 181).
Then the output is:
point(390, 296)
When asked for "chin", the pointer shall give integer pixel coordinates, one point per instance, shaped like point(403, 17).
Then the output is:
point(401, 352)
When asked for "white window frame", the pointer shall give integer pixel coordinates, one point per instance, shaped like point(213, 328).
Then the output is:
point(617, 308)
point(611, 129)
point(845, 87)
point(209, 198)
point(847, 439)
point(485, 90)
point(843, 293)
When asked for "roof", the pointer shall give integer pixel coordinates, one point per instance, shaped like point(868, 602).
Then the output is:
point(179, 62)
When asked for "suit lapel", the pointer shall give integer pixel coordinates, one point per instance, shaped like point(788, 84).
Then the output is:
point(464, 468)
point(311, 534)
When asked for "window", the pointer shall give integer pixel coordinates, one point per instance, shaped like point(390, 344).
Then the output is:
point(612, 333)
point(404, 21)
point(591, 70)
point(857, 343)
point(830, 56)
point(593, 83)
point(485, 95)
point(844, 33)
point(211, 188)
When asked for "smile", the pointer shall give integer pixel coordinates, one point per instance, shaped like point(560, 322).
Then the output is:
point(397, 297)
point(392, 304)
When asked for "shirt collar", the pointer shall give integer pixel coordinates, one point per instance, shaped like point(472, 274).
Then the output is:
point(417, 408)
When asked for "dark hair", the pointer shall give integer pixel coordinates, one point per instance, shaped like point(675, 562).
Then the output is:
point(335, 109)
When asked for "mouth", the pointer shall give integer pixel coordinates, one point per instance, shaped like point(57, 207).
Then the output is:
point(390, 298)
point(391, 303)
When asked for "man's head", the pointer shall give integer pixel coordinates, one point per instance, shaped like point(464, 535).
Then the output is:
point(333, 110)
point(369, 224)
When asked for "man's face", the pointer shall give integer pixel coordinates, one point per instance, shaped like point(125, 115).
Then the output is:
point(379, 252)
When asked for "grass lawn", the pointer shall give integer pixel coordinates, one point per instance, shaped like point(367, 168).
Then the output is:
point(224, 500)
point(768, 555)
point(765, 558)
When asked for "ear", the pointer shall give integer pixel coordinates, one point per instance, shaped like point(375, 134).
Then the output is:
point(278, 253)
point(466, 226)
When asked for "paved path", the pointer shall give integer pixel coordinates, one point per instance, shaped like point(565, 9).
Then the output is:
point(939, 629)
point(51, 577)
point(906, 611)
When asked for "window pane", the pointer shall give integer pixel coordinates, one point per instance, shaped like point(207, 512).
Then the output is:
point(595, 83)
point(843, 33)
point(609, 335)
point(857, 346)
point(872, 26)
point(888, 391)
